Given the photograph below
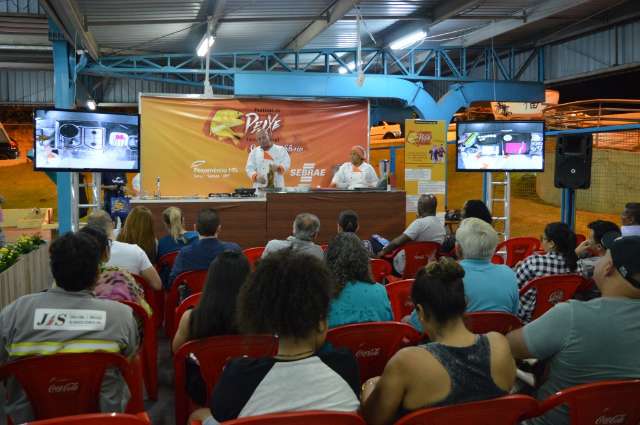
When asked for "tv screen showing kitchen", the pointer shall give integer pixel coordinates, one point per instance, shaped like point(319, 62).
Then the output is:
point(86, 141)
point(500, 146)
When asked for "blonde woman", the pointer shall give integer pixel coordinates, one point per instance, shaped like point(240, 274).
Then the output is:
point(178, 237)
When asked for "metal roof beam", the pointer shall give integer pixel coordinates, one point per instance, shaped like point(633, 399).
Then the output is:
point(339, 9)
point(66, 14)
point(539, 12)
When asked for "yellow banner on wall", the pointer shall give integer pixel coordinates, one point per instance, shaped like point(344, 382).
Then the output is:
point(425, 158)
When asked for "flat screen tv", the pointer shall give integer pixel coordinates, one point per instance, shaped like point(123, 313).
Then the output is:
point(500, 146)
point(86, 141)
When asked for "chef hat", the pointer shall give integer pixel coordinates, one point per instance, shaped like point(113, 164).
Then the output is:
point(360, 151)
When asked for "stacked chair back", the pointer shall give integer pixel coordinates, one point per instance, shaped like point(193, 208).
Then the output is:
point(97, 419)
point(298, 418)
point(505, 410)
point(418, 255)
point(380, 269)
point(373, 343)
point(194, 280)
point(69, 384)
point(518, 249)
point(599, 403)
point(550, 290)
point(482, 322)
point(213, 354)
point(253, 254)
point(148, 349)
point(399, 293)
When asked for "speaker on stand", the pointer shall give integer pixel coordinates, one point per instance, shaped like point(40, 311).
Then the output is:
point(573, 161)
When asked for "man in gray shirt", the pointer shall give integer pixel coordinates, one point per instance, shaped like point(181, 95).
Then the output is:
point(305, 230)
point(589, 341)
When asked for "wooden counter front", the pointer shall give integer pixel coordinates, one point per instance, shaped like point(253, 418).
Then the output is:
point(379, 212)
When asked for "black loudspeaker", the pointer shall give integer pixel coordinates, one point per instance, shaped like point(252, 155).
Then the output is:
point(573, 161)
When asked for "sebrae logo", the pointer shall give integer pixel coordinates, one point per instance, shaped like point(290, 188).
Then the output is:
point(231, 126)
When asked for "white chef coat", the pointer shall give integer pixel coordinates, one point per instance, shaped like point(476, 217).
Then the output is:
point(258, 164)
point(349, 176)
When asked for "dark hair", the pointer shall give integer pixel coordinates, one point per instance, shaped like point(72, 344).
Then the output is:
point(215, 313)
point(601, 227)
point(348, 221)
point(348, 260)
point(565, 241)
point(208, 222)
point(287, 295)
point(476, 208)
point(634, 211)
point(100, 236)
point(438, 288)
point(74, 259)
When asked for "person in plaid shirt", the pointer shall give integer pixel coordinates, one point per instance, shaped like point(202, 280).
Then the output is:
point(559, 244)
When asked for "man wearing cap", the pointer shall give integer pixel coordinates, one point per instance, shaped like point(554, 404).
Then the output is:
point(589, 341)
point(355, 173)
point(265, 160)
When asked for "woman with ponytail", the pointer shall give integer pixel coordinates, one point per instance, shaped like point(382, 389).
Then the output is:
point(178, 237)
point(559, 244)
point(458, 366)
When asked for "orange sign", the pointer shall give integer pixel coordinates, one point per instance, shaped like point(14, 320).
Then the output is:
point(199, 146)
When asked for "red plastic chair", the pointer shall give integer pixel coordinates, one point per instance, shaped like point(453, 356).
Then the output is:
point(324, 247)
point(97, 419)
point(190, 302)
point(482, 322)
point(167, 260)
point(550, 290)
point(297, 418)
point(417, 255)
point(213, 353)
point(580, 238)
point(517, 249)
point(379, 269)
point(69, 384)
point(606, 402)
point(194, 280)
point(153, 297)
point(148, 349)
point(373, 343)
point(505, 410)
point(253, 254)
point(399, 293)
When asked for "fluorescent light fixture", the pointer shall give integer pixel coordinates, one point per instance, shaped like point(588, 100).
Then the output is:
point(91, 104)
point(350, 66)
point(205, 44)
point(408, 40)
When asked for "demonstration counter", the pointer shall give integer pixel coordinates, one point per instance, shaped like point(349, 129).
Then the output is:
point(254, 221)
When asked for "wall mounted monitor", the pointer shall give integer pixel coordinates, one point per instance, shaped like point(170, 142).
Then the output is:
point(500, 146)
point(86, 141)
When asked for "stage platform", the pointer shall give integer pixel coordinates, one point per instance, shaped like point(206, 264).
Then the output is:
point(254, 221)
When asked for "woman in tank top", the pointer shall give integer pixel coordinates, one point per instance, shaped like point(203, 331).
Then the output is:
point(456, 367)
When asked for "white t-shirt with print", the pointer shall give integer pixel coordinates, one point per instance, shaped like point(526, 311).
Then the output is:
point(129, 257)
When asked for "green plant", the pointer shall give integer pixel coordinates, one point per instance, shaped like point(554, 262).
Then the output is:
point(10, 253)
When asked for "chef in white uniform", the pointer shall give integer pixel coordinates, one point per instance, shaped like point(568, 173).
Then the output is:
point(356, 173)
point(267, 157)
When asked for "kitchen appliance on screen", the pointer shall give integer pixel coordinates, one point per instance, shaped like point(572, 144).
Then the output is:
point(500, 146)
point(86, 141)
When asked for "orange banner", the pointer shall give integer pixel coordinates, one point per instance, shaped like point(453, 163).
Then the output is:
point(199, 146)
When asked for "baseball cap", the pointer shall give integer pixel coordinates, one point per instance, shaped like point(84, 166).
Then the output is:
point(625, 253)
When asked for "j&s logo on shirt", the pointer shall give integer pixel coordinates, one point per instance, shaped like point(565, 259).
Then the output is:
point(53, 319)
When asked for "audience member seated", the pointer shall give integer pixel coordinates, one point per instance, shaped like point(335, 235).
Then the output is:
point(594, 340)
point(348, 222)
point(288, 295)
point(426, 228)
point(129, 257)
point(113, 282)
point(305, 230)
point(138, 230)
point(200, 254)
point(216, 311)
point(559, 244)
point(27, 328)
point(178, 237)
point(631, 219)
point(457, 367)
point(357, 297)
point(478, 209)
point(591, 249)
point(487, 286)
